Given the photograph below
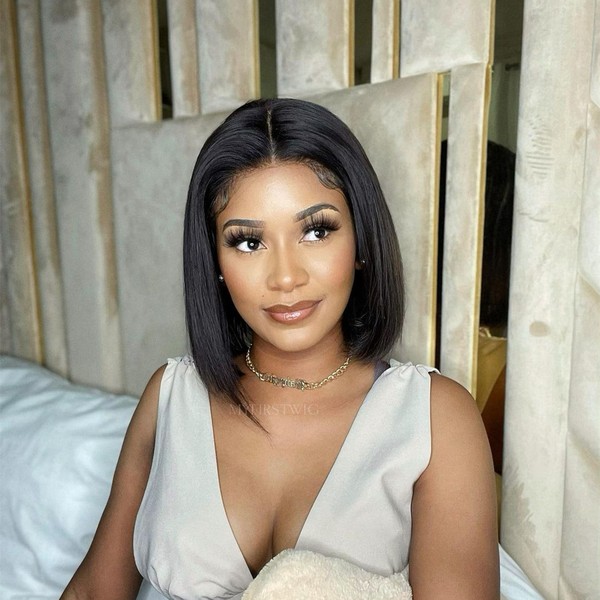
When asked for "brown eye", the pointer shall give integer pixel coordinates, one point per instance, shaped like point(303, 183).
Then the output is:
point(243, 240)
point(315, 234)
point(249, 245)
point(319, 227)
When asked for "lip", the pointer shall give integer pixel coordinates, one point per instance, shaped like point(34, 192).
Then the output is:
point(292, 313)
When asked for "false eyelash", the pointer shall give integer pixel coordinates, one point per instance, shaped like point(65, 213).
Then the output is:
point(320, 221)
point(233, 237)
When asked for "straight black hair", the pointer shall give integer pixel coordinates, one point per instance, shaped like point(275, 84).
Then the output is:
point(266, 132)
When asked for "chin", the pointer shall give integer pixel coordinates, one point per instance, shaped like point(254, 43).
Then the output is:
point(300, 339)
point(292, 343)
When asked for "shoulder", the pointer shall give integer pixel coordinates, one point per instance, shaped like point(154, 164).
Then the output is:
point(454, 535)
point(138, 444)
point(457, 431)
point(153, 385)
point(152, 390)
point(174, 369)
point(451, 404)
point(143, 423)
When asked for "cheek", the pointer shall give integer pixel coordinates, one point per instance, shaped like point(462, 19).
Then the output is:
point(242, 281)
point(341, 262)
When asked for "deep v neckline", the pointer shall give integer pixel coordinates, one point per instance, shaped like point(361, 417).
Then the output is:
point(341, 451)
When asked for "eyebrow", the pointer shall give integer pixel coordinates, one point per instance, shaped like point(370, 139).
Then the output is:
point(303, 214)
point(311, 210)
point(244, 223)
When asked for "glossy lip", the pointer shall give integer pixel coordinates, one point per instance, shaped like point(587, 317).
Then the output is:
point(292, 313)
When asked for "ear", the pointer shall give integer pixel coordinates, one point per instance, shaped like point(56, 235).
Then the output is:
point(360, 264)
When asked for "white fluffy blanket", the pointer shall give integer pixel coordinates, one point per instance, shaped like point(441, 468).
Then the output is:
point(306, 575)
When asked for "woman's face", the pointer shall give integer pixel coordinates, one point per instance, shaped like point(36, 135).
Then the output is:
point(286, 250)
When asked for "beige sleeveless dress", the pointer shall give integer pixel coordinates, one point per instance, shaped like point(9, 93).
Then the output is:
point(183, 543)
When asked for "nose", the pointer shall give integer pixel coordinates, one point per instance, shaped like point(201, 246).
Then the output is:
point(286, 270)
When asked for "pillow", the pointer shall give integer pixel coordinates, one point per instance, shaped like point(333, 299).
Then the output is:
point(305, 575)
point(59, 445)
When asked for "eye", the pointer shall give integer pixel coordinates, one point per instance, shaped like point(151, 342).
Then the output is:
point(319, 227)
point(248, 245)
point(316, 234)
point(246, 241)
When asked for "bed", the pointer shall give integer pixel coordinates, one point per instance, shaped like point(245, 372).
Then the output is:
point(59, 445)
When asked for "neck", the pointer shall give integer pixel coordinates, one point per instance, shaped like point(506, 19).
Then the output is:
point(312, 364)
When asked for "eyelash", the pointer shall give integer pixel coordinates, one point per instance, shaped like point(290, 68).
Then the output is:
point(321, 222)
point(234, 237)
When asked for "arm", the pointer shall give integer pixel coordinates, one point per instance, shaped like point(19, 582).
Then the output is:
point(108, 570)
point(454, 541)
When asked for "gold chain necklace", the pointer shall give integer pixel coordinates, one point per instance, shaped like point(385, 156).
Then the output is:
point(299, 384)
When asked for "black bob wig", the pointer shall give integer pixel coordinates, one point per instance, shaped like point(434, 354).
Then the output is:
point(266, 132)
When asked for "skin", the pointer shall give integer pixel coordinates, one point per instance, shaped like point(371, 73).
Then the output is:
point(269, 481)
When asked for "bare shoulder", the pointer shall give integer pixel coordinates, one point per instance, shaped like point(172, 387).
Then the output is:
point(147, 408)
point(153, 385)
point(454, 543)
point(459, 445)
point(453, 409)
point(458, 440)
point(139, 439)
point(109, 570)
point(447, 394)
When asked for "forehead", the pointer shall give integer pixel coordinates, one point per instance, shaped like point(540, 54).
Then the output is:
point(278, 190)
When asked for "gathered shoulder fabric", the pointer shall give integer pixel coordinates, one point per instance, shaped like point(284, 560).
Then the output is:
point(183, 543)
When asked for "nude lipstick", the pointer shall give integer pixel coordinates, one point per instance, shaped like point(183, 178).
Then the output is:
point(292, 313)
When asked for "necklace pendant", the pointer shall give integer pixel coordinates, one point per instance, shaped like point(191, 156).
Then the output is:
point(287, 382)
point(301, 384)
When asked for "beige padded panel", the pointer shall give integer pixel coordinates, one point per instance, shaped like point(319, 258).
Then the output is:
point(590, 226)
point(131, 47)
point(78, 119)
point(580, 551)
point(183, 57)
point(315, 46)
point(228, 53)
point(385, 51)
point(580, 570)
point(467, 134)
point(552, 379)
point(41, 187)
point(444, 34)
point(149, 236)
point(20, 315)
point(595, 85)
point(149, 213)
point(589, 240)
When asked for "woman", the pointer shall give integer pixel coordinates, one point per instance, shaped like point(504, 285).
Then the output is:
point(292, 268)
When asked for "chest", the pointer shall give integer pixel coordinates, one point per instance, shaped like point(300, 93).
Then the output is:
point(269, 484)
